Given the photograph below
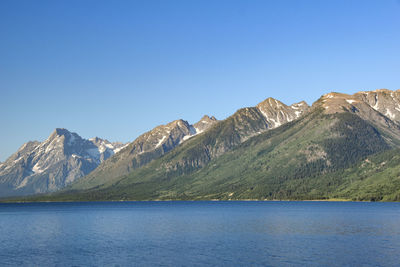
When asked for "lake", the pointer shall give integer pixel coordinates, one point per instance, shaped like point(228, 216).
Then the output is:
point(200, 234)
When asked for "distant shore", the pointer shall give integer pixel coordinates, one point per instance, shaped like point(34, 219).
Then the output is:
point(194, 200)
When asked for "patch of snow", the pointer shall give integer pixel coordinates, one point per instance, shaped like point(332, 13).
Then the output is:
point(198, 131)
point(18, 159)
point(279, 123)
point(161, 141)
point(390, 114)
point(350, 101)
point(298, 113)
point(263, 113)
point(23, 183)
point(120, 148)
point(102, 148)
point(329, 95)
point(37, 169)
point(277, 104)
point(186, 137)
point(276, 123)
point(51, 146)
point(376, 104)
point(109, 146)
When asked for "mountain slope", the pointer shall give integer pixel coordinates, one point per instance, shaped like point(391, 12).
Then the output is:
point(338, 103)
point(385, 101)
point(48, 166)
point(238, 159)
point(217, 139)
point(279, 164)
point(344, 146)
point(145, 148)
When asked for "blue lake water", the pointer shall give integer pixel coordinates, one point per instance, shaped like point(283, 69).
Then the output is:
point(200, 234)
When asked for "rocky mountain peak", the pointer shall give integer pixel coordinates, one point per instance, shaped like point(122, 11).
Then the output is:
point(207, 118)
point(384, 101)
point(277, 113)
point(300, 105)
point(204, 123)
point(336, 102)
point(62, 158)
point(96, 140)
point(64, 138)
point(151, 145)
point(61, 131)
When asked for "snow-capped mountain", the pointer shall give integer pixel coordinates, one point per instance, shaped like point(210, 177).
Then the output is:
point(47, 166)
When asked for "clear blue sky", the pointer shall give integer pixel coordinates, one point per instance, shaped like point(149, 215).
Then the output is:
point(116, 69)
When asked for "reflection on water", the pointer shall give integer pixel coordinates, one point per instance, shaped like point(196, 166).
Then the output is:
point(200, 233)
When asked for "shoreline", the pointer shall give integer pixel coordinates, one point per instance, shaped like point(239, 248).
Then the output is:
point(203, 200)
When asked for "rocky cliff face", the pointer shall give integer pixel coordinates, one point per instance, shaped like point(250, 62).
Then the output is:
point(64, 157)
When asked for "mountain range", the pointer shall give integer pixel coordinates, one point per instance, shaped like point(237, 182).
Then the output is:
point(341, 147)
point(64, 157)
